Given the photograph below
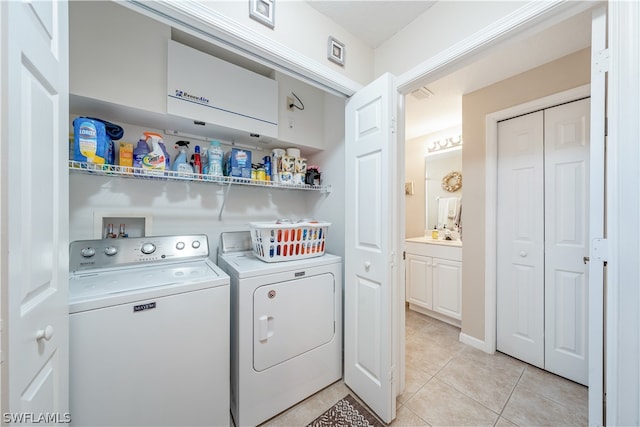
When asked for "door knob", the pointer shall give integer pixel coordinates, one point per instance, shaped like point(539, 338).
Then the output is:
point(45, 333)
point(367, 266)
point(523, 254)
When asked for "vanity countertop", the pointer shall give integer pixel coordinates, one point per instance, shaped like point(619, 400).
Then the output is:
point(429, 240)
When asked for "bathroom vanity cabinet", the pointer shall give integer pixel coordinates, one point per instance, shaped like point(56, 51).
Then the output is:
point(434, 278)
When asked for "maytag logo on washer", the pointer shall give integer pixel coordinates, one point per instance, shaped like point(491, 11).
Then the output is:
point(143, 307)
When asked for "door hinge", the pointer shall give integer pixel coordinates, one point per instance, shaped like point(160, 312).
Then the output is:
point(601, 61)
point(393, 125)
point(404, 255)
point(599, 250)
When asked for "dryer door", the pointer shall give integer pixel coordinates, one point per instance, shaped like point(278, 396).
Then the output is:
point(291, 318)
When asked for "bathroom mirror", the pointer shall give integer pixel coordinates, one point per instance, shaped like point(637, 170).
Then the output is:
point(443, 187)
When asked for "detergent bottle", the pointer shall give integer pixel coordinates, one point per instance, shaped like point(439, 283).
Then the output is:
point(197, 161)
point(155, 160)
point(205, 161)
point(216, 156)
point(180, 164)
point(142, 149)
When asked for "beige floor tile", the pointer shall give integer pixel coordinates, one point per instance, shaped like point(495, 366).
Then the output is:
point(558, 389)
point(415, 378)
point(503, 422)
point(428, 356)
point(442, 405)
point(496, 361)
point(527, 408)
point(490, 387)
point(406, 418)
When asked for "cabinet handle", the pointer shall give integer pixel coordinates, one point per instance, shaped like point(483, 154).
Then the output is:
point(523, 254)
point(367, 266)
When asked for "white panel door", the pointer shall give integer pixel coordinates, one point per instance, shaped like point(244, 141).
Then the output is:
point(566, 219)
point(520, 241)
point(368, 341)
point(35, 127)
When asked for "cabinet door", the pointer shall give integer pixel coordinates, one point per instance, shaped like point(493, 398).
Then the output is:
point(447, 284)
point(419, 280)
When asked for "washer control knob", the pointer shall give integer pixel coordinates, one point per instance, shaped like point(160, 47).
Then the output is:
point(148, 248)
point(88, 252)
point(195, 244)
point(110, 250)
point(180, 246)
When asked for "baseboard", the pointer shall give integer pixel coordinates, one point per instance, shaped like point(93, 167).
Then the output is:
point(473, 342)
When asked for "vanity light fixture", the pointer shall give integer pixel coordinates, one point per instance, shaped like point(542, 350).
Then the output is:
point(444, 144)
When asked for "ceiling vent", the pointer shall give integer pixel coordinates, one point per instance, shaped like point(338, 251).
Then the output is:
point(422, 93)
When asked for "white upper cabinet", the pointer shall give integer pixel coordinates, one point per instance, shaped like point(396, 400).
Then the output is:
point(302, 124)
point(117, 56)
point(207, 89)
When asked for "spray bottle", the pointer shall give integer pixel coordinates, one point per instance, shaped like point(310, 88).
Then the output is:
point(156, 159)
point(180, 164)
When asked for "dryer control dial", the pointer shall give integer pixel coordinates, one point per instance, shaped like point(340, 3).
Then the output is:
point(180, 246)
point(148, 248)
point(110, 250)
point(195, 244)
point(88, 252)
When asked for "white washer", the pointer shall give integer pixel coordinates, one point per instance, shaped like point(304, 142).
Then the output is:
point(149, 333)
point(286, 329)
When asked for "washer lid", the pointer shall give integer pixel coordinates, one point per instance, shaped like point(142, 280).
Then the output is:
point(110, 287)
point(246, 264)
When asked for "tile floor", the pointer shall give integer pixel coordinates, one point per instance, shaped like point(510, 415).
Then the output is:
point(451, 384)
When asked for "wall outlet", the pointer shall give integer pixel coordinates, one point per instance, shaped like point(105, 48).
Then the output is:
point(289, 103)
point(408, 188)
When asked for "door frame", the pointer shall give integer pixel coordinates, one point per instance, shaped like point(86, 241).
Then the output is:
point(491, 222)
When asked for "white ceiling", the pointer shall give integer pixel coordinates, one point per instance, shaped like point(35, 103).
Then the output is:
point(372, 22)
point(444, 109)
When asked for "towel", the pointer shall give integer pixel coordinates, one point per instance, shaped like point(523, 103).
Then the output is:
point(447, 211)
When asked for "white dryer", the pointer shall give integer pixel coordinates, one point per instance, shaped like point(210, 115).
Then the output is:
point(286, 329)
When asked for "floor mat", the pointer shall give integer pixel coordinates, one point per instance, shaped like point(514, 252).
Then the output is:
point(346, 413)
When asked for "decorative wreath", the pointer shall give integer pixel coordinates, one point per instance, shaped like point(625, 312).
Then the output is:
point(452, 182)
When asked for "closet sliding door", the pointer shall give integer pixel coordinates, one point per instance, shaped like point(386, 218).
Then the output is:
point(543, 237)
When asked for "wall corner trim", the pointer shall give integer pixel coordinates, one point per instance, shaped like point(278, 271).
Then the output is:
point(475, 343)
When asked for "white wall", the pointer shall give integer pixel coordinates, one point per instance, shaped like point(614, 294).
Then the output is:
point(440, 27)
point(305, 30)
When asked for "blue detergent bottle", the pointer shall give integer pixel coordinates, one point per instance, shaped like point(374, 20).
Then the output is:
point(142, 149)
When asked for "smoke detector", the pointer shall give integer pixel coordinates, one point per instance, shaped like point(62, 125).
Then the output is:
point(422, 93)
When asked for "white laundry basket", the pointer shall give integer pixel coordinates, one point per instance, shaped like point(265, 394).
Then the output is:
point(273, 241)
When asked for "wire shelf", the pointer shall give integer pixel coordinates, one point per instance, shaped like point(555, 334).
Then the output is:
point(139, 173)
